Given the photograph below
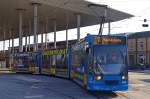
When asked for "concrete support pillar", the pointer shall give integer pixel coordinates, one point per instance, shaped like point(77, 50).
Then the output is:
point(46, 35)
point(105, 12)
point(4, 36)
point(67, 25)
point(9, 49)
point(26, 46)
point(78, 26)
point(35, 25)
point(9, 46)
point(9, 40)
point(66, 37)
point(30, 30)
point(42, 41)
point(42, 32)
point(20, 32)
point(46, 40)
point(20, 11)
point(35, 30)
point(42, 35)
point(29, 46)
point(55, 25)
point(12, 43)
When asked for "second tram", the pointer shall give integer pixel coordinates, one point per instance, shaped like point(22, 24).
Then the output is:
point(26, 62)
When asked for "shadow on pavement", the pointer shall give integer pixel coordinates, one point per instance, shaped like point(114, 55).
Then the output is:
point(103, 94)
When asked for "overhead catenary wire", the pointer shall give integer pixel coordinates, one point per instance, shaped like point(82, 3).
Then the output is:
point(101, 19)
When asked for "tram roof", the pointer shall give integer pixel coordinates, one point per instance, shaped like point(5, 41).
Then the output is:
point(50, 10)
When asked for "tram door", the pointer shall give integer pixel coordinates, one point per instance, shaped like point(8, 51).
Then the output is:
point(52, 64)
point(79, 65)
point(61, 65)
point(48, 64)
point(38, 62)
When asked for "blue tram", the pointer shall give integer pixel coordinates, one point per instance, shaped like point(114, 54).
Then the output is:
point(96, 62)
point(100, 63)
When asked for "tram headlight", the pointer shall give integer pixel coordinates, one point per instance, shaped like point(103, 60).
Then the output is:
point(123, 77)
point(97, 77)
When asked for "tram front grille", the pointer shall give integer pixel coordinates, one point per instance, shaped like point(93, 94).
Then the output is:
point(111, 82)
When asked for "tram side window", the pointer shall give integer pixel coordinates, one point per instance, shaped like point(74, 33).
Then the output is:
point(64, 60)
point(74, 60)
point(58, 61)
point(81, 60)
point(25, 61)
point(50, 60)
point(19, 61)
point(75, 57)
point(83, 57)
point(46, 61)
point(43, 62)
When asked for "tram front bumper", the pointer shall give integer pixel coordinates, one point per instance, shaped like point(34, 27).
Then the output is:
point(101, 87)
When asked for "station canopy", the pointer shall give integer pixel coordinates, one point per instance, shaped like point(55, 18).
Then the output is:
point(63, 11)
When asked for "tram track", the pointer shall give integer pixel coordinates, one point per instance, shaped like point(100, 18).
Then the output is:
point(63, 95)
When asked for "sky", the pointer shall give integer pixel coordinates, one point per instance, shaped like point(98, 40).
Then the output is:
point(139, 8)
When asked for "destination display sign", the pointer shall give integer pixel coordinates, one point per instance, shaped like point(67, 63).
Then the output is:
point(110, 39)
point(56, 52)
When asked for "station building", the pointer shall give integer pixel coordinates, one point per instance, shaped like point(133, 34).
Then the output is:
point(139, 49)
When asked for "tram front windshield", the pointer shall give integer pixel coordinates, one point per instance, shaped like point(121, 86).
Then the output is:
point(21, 61)
point(109, 59)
